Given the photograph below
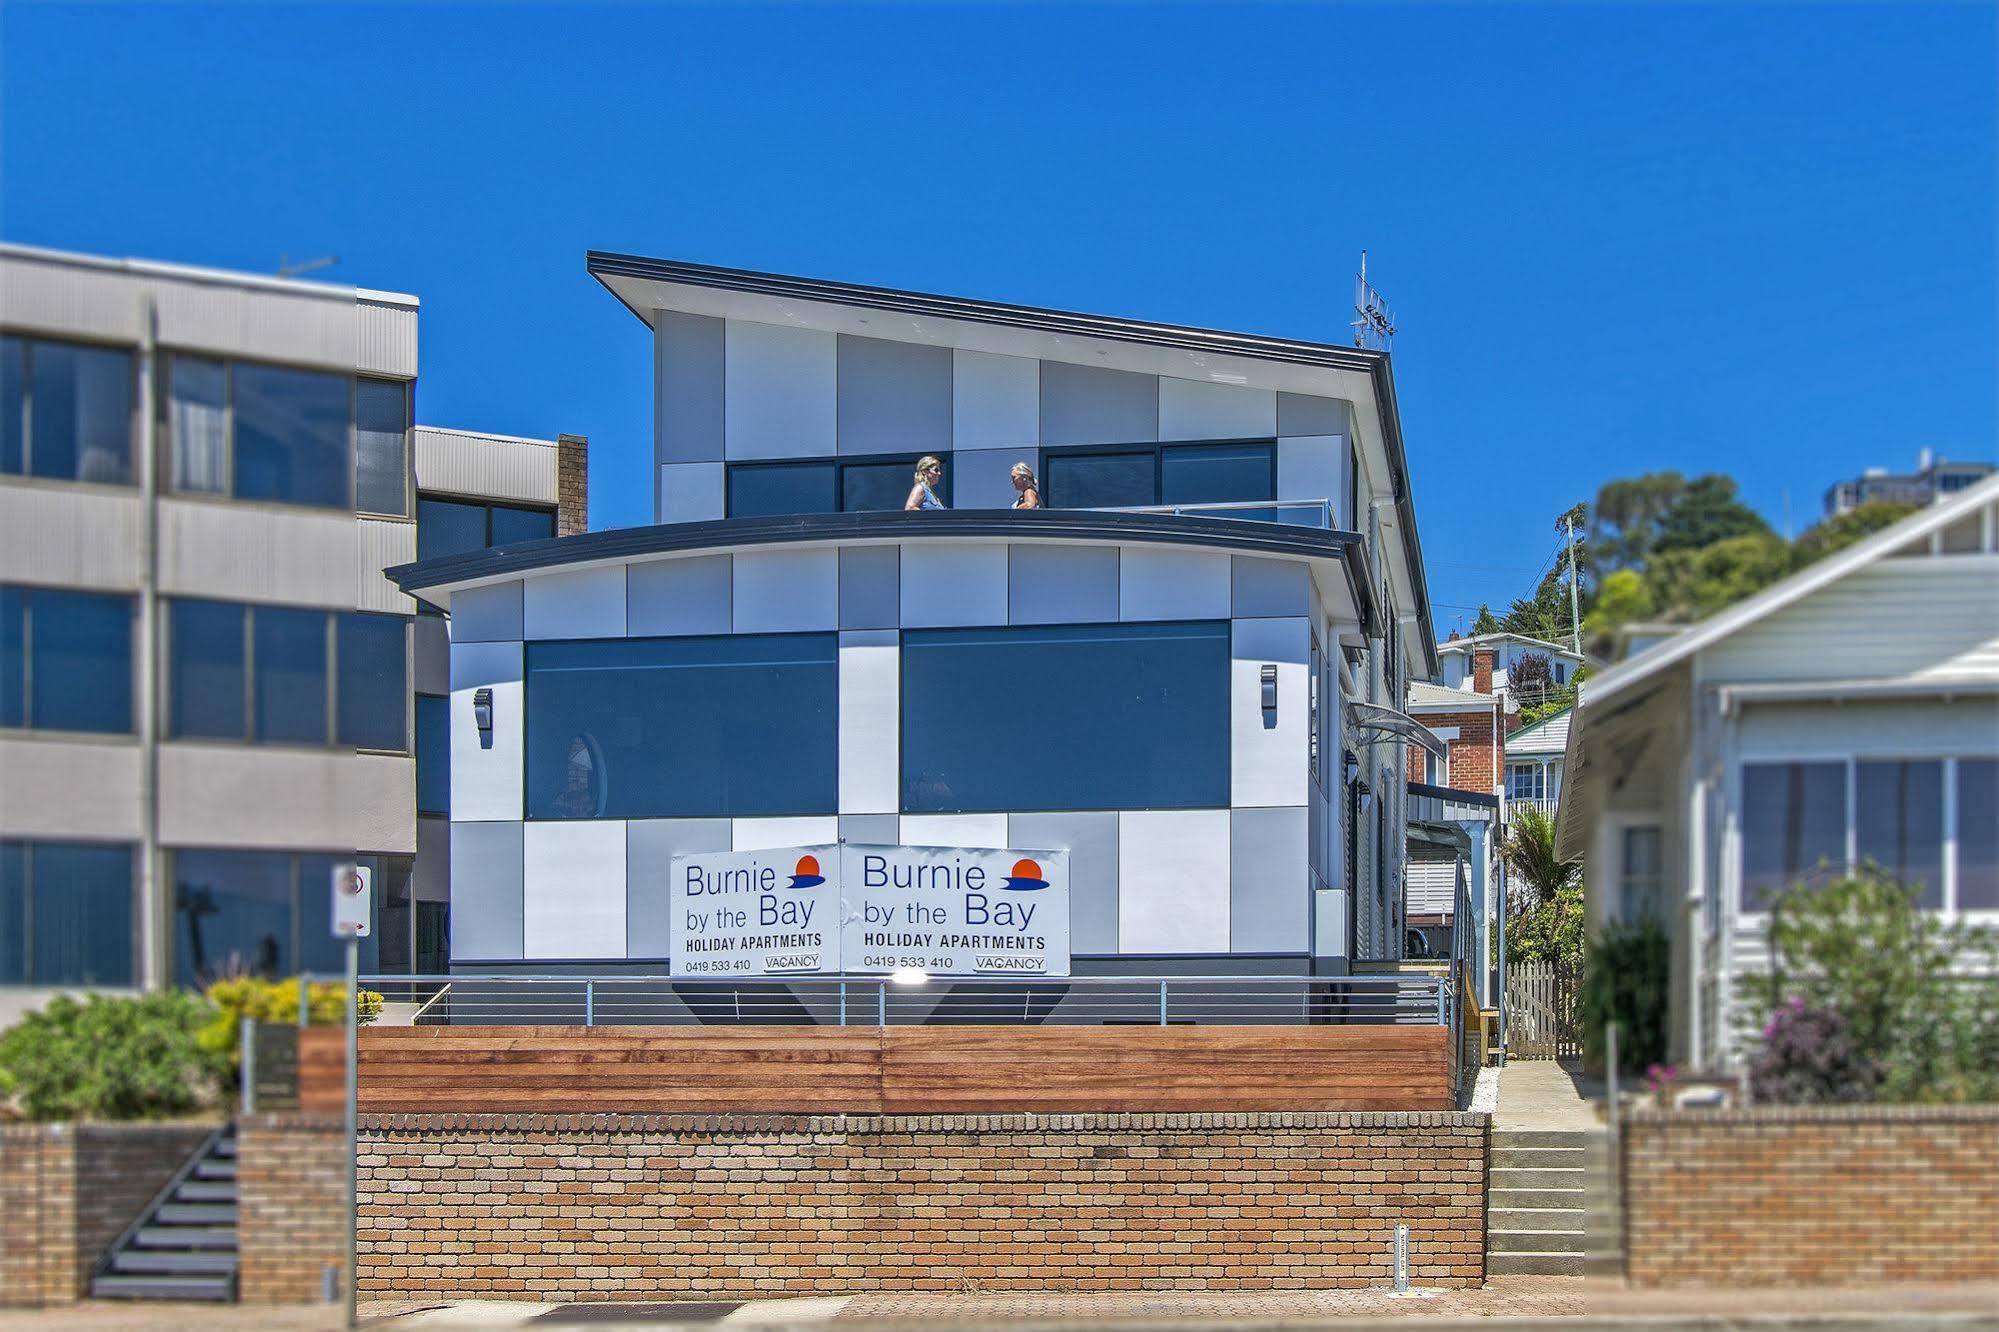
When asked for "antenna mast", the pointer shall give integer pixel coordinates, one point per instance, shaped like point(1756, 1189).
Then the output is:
point(1373, 324)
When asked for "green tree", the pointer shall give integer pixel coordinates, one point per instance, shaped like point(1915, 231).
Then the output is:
point(1687, 584)
point(1624, 525)
point(1530, 853)
point(1486, 623)
point(1621, 598)
point(1842, 530)
point(1707, 512)
point(136, 1057)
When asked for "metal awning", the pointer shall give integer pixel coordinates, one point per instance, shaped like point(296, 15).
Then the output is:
point(1387, 721)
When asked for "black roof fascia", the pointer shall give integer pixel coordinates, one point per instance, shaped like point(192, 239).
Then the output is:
point(1230, 535)
point(602, 264)
point(1483, 799)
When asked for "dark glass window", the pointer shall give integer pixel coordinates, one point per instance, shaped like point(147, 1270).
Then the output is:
point(1126, 716)
point(80, 413)
point(1978, 834)
point(232, 912)
point(1898, 818)
point(205, 671)
point(289, 674)
point(1793, 827)
point(459, 527)
point(198, 424)
point(65, 660)
point(373, 688)
point(765, 489)
point(13, 406)
point(291, 436)
point(683, 727)
point(65, 914)
point(381, 429)
point(1102, 480)
point(883, 487)
point(1217, 473)
point(433, 754)
point(510, 525)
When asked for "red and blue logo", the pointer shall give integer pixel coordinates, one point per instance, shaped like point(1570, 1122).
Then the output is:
point(806, 873)
point(1026, 877)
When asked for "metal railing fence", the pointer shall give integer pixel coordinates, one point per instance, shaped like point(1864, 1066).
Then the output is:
point(872, 1001)
point(1297, 512)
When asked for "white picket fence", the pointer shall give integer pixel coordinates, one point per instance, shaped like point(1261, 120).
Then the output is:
point(1541, 1018)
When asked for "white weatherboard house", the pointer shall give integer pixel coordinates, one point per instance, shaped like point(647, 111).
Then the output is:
point(1847, 715)
point(1185, 673)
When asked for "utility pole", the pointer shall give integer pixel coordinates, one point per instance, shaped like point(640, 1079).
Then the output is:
point(1575, 579)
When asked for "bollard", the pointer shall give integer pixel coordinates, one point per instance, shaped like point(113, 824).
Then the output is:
point(329, 1283)
point(1401, 1259)
point(246, 1036)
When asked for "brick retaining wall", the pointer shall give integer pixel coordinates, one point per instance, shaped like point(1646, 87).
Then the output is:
point(67, 1191)
point(291, 1202)
point(1812, 1196)
point(658, 1207)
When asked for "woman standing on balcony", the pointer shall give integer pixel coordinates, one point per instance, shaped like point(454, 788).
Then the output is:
point(929, 471)
point(1029, 489)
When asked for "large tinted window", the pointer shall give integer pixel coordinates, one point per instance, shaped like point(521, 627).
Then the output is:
point(232, 912)
point(1978, 834)
point(80, 412)
point(1102, 480)
point(13, 406)
point(647, 728)
point(291, 436)
point(765, 489)
point(289, 675)
point(198, 423)
point(1793, 827)
point(459, 527)
point(65, 660)
point(509, 525)
point(1217, 473)
point(1127, 716)
point(1898, 822)
point(433, 754)
point(65, 914)
point(206, 670)
point(381, 423)
point(373, 688)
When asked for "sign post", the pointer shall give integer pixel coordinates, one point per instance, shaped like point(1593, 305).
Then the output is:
point(353, 896)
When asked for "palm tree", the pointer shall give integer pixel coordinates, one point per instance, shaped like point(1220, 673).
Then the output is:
point(1530, 854)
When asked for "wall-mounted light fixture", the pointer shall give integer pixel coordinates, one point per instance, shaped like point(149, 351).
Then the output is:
point(1269, 696)
point(1350, 766)
point(482, 716)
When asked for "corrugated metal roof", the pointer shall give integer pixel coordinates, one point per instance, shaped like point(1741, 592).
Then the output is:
point(1550, 735)
point(1423, 694)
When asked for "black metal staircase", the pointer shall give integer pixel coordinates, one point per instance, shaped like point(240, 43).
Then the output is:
point(183, 1246)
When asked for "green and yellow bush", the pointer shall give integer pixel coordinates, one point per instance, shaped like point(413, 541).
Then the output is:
point(112, 1057)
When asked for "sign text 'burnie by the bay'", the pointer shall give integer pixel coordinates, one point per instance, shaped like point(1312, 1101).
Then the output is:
point(946, 911)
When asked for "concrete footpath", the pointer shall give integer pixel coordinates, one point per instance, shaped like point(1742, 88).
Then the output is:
point(1516, 1302)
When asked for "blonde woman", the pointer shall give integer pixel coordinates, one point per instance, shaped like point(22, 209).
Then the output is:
point(1028, 490)
point(922, 495)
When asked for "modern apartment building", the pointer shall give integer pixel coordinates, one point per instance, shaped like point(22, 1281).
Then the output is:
point(1187, 672)
point(1934, 479)
point(205, 682)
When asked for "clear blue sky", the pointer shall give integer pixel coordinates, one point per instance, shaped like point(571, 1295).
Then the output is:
point(1755, 238)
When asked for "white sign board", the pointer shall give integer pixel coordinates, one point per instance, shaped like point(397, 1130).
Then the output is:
point(756, 913)
point(954, 911)
point(944, 911)
point(353, 896)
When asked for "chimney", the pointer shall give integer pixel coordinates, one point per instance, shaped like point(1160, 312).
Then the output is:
point(1481, 668)
point(572, 484)
point(1455, 636)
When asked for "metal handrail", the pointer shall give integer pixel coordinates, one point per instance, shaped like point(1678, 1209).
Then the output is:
point(1323, 508)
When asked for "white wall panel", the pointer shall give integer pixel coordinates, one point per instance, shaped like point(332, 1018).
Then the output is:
point(691, 493)
point(1056, 584)
point(688, 595)
point(1268, 754)
point(486, 892)
point(385, 338)
point(255, 795)
point(467, 462)
point(782, 391)
point(1166, 584)
point(954, 830)
point(1190, 409)
point(384, 543)
point(486, 782)
point(983, 478)
point(1314, 467)
point(1173, 881)
point(69, 788)
point(489, 614)
point(573, 889)
point(995, 401)
point(953, 584)
point(584, 603)
point(786, 591)
point(71, 536)
point(870, 721)
point(806, 830)
point(251, 552)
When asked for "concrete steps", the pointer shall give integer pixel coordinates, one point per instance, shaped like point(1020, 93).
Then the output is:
point(184, 1248)
point(1537, 1202)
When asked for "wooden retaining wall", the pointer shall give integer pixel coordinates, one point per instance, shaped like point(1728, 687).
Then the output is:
point(902, 1070)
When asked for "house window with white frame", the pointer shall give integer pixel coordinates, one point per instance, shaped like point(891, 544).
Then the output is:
point(1641, 874)
point(1526, 781)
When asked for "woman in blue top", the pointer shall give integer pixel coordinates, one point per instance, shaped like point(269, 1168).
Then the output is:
point(929, 471)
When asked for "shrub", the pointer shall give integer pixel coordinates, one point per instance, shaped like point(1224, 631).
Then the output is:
point(1808, 1057)
point(1550, 931)
point(276, 1001)
point(1625, 980)
point(106, 1057)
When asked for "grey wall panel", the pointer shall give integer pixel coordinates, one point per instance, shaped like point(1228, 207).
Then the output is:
point(873, 829)
point(383, 543)
point(1304, 414)
point(895, 397)
point(430, 877)
point(1062, 584)
point(1265, 587)
point(579, 603)
point(257, 795)
point(256, 553)
point(651, 846)
point(1315, 467)
point(1083, 404)
point(84, 300)
point(796, 830)
point(485, 466)
point(385, 337)
point(1269, 892)
point(983, 830)
point(490, 614)
point(962, 584)
point(690, 381)
point(982, 478)
point(995, 401)
point(71, 536)
point(1192, 409)
point(1167, 583)
point(1091, 839)
point(685, 596)
point(69, 788)
point(870, 587)
point(780, 591)
point(690, 493)
point(431, 653)
point(486, 892)
point(781, 390)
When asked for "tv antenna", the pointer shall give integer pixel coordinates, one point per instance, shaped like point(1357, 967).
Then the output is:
point(288, 269)
point(1373, 323)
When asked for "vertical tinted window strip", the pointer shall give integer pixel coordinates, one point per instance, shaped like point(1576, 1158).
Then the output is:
point(1978, 834)
point(290, 665)
point(433, 754)
point(381, 425)
point(205, 685)
point(81, 415)
point(80, 666)
point(82, 913)
point(13, 405)
point(13, 656)
point(1898, 816)
point(373, 688)
point(14, 922)
point(198, 424)
point(292, 436)
point(1793, 827)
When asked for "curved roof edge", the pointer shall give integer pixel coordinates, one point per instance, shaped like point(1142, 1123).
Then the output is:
point(1228, 535)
